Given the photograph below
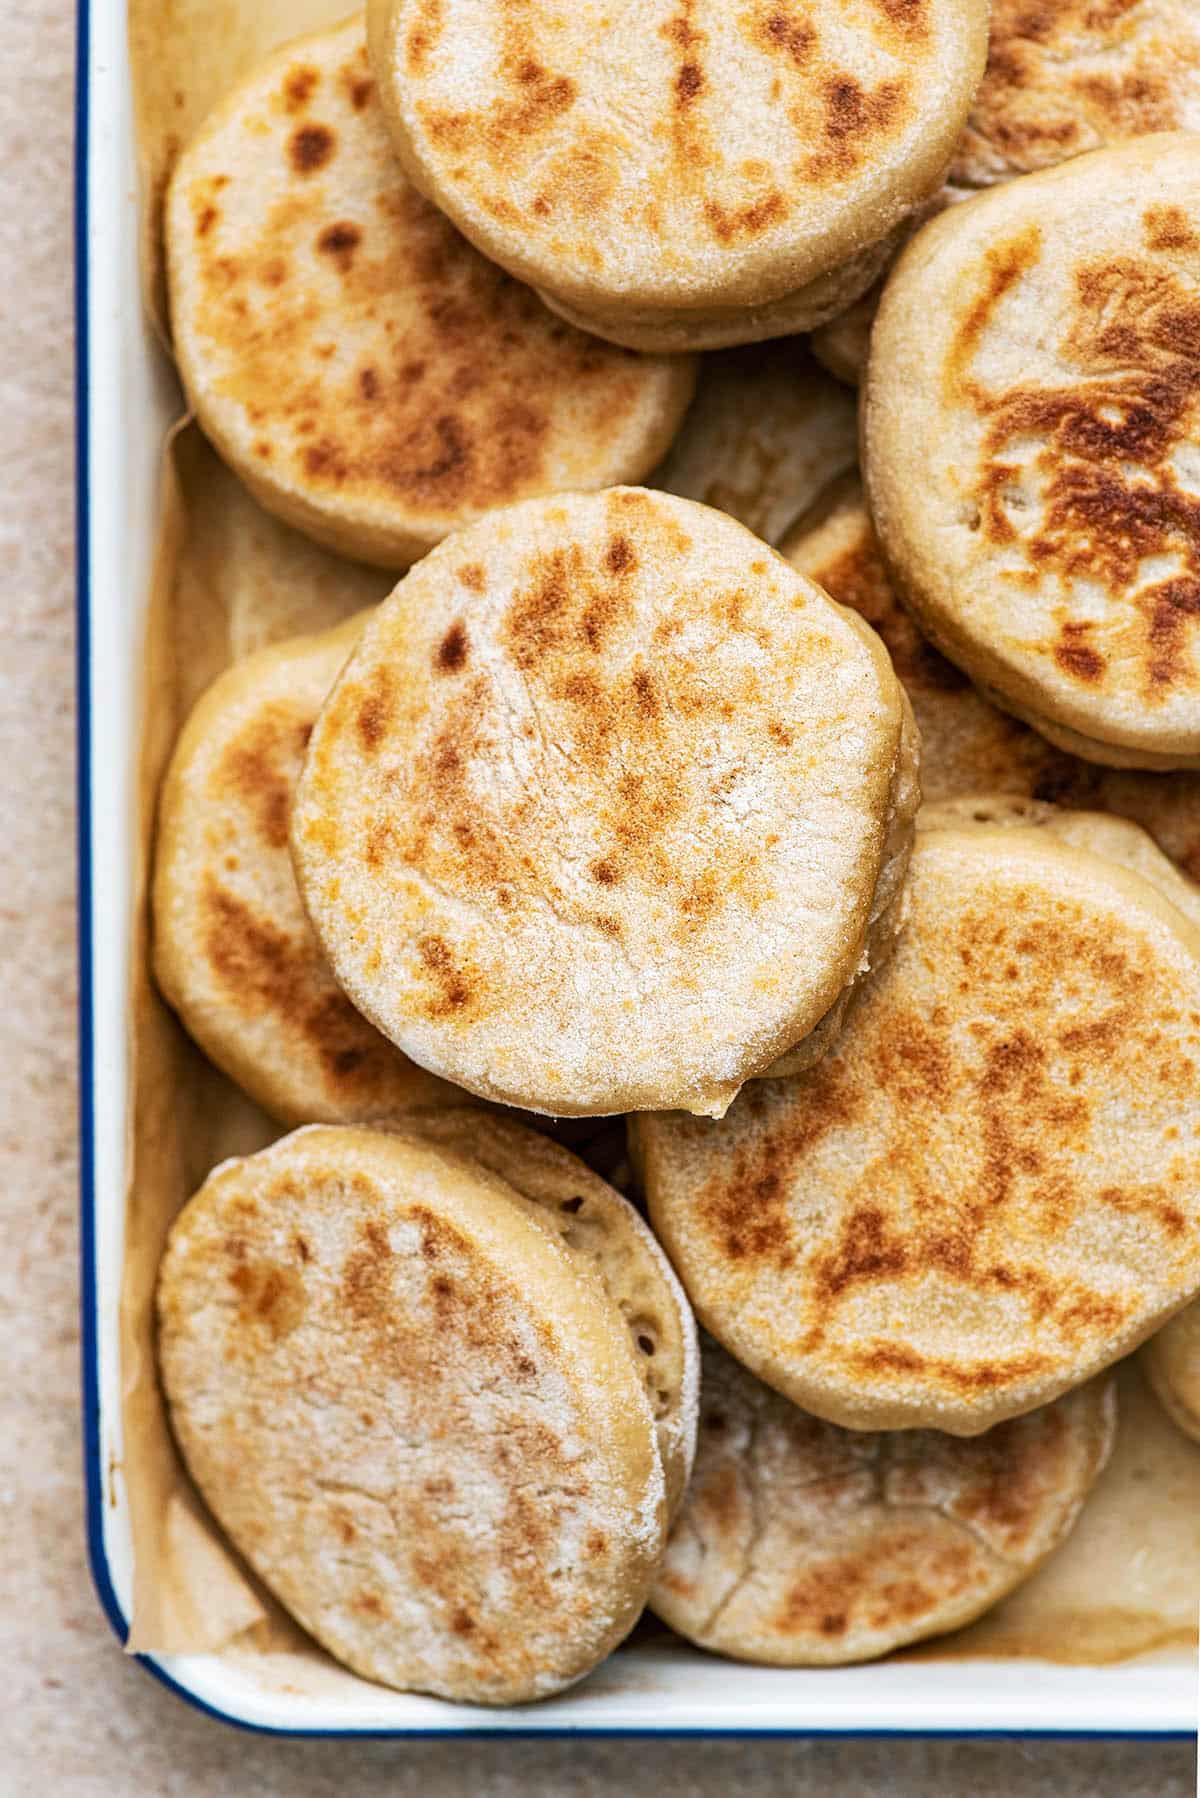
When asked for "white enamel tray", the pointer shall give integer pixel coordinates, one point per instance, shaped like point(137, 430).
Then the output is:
point(126, 398)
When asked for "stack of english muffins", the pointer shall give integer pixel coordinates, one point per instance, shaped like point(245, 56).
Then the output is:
point(716, 1180)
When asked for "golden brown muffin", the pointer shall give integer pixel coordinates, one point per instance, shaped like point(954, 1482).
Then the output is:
point(989, 1191)
point(414, 1415)
point(595, 817)
point(694, 177)
point(805, 1545)
point(374, 381)
point(1035, 355)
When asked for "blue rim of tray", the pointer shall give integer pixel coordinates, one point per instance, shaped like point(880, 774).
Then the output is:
point(93, 1470)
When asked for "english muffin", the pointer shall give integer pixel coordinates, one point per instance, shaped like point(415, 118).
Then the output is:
point(613, 1241)
point(697, 177)
point(805, 1545)
point(1171, 1363)
point(413, 1414)
point(594, 819)
point(1072, 76)
point(1035, 356)
point(371, 378)
point(234, 953)
point(967, 746)
point(766, 432)
point(990, 1189)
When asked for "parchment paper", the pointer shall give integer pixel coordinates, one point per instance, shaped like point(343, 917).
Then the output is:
point(229, 579)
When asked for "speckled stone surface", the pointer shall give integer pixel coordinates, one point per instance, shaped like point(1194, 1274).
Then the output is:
point(75, 1717)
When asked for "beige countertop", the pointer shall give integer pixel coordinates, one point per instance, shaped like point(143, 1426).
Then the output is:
point(75, 1717)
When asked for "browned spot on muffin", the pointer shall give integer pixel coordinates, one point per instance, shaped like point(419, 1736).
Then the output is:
point(369, 384)
point(1004, 1476)
point(454, 992)
point(339, 242)
point(300, 86)
point(1169, 228)
point(310, 148)
point(563, 609)
point(719, 1490)
point(265, 969)
point(854, 116)
point(506, 131)
point(1150, 1200)
point(376, 709)
point(367, 1275)
point(260, 768)
point(270, 1293)
point(752, 1222)
point(729, 223)
point(473, 575)
point(909, 17)
point(867, 1250)
point(645, 694)
point(914, 1061)
point(1004, 265)
point(424, 34)
point(969, 1377)
point(848, 1591)
point(701, 898)
point(778, 30)
point(325, 461)
point(1139, 94)
point(746, 1204)
point(620, 557)
point(1076, 656)
point(604, 873)
point(1169, 609)
point(452, 651)
point(688, 83)
point(206, 218)
point(689, 78)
